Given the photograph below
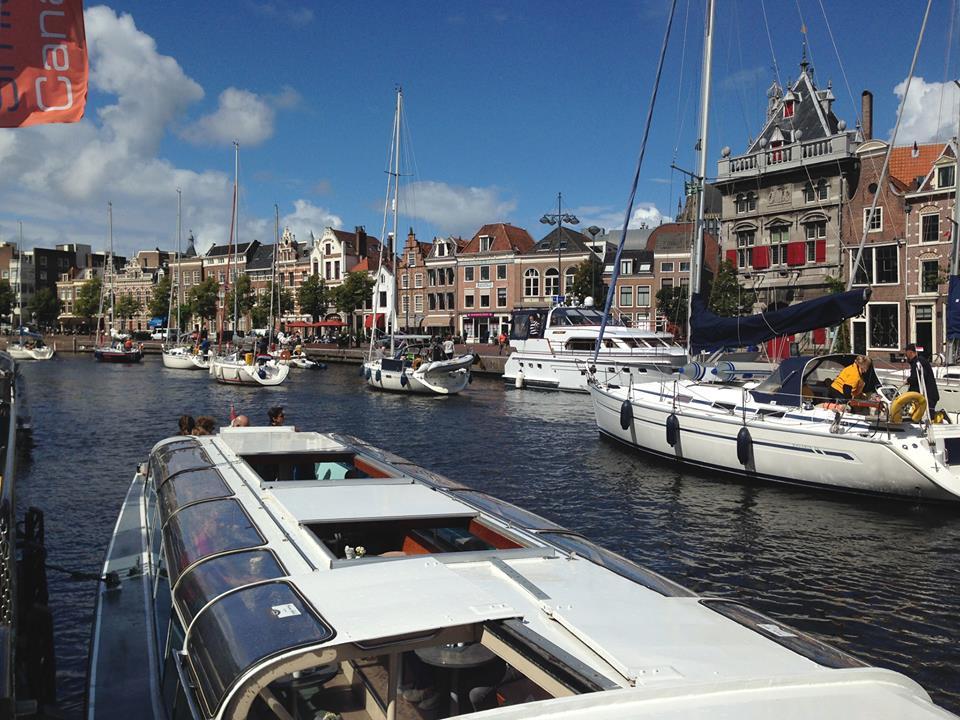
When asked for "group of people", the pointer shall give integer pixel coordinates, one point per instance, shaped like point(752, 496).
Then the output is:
point(854, 379)
point(206, 425)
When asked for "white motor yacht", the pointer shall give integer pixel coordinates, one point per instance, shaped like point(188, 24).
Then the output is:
point(554, 348)
point(268, 573)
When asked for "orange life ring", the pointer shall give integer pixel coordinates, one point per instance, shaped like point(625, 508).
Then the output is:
point(285, 355)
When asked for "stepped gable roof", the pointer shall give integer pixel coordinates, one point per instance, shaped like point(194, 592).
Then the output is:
point(809, 116)
point(570, 241)
point(242, 249)
point(506, 238)
point(261, 259)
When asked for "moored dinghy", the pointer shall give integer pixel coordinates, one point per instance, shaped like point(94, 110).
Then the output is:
point(267, 573)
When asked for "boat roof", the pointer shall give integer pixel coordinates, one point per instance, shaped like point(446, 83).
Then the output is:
point(251, 518)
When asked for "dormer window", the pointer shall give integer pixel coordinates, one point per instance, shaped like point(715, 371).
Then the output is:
point(626, 267)
point(788, 108)
point(945, 176)
point(485, 242)
point(441, 250)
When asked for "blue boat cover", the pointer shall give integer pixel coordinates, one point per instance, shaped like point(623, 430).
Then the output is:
point(709, 332)
point(156, 322)
point(953, 309)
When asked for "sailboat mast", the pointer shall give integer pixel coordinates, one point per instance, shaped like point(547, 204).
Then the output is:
point(236, 222)
point(110, 263)
point(396, 208)
point(20, 277)
point(179, 271)
point(170, 300)
point(696, 256)
point(273, 270)
point(951, 349)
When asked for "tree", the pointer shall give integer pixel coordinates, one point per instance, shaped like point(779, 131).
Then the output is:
point(727, 297)
point(127, 306)
point(842, 344)
point(354, 292)
point(45, 306)
point(314, 297)
point(588, 281)
point(6, 297)
point(202, 299)
point(87, 303)
point(672, 304)
point(260, 313)
point(244, 294)
point(159, 303)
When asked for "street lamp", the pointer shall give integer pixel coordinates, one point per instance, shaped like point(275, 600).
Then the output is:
point(558, 219)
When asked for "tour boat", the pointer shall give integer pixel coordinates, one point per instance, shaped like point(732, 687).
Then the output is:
point(29, 346)
point(268, 573)
point(247, 370)
point(553, 348)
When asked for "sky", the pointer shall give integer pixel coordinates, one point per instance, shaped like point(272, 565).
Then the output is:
point(506, 104)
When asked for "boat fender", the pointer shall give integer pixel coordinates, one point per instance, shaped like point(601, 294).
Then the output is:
point(626, 415)
point(285, 355)
point(469, 377)
point(673, 430)
point(404, 380)
point(918, 401)
point(378, 376)
point(518, 380)
point(366, 373)
point(744, 447)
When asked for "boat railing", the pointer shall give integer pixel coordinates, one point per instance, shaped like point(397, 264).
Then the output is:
point(8, 428)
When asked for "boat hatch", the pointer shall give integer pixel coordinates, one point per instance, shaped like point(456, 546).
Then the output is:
point(207, 528)
point(245, 627)
point(323, 466)
point(175, 458)
point(344, 504)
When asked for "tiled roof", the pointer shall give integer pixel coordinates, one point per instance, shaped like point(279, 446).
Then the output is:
point(242, 248)
point(261, 259)
point(572, 242)
point(506, 238)
point(906, 168)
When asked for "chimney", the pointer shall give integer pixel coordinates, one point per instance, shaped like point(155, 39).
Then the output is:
point(866, 113)
point(361, 241)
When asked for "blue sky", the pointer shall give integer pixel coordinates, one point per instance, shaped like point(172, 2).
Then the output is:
point(506, 104)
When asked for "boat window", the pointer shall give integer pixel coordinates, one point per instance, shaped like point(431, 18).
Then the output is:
point(207, 580)
point(205, 529)
point(616, 563)
point(314, 466)
point(795, 640)
point(167, 464)
point(189, 487)
point(504, 510)
point(244, 628)
point(580, 344)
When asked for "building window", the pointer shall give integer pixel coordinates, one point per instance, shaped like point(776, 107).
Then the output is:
point(685, 267)
point(418, 280)
point(626, 267)
point(666, 267)
point(432, 278)
point(746, 202)
point(874, 223)
point(501, 272)
point(884, 325)
point(404, 281)
point(551, 282)
point(468, 273)
point(484, 272)
point(779, 236)
point(484, 300)
point(405, 304)
point(501, 297)
point(643, 296)
point(666, 283)
point(336, 269)
point(626, 296)
point(432, 301)
point(441, 249)
point(929, 276)
point(418, 303)
point(929, 228)
point(531, 283)
point(812, 193)
point(878, 266)
point(945, 176)
point(411, 258)
point(788, 108)
point(485, 243)
point(468, 300)
point(569, 274)
point(328, 249)
point(745, 240)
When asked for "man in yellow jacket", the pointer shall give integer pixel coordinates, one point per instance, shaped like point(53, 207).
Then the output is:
point(850, 382)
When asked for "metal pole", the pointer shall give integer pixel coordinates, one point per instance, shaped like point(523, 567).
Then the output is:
point(559, 243)
point(955, 245)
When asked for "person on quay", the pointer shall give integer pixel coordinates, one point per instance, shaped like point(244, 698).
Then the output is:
point(920, 369)
point(448, 347)
point(849, 384)
point(436, 352)
point(503, 342)
point(275, 415)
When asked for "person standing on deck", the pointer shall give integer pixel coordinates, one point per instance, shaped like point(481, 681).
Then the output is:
point(920, 367)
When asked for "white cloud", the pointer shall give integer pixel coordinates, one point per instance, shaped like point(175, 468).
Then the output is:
point(240, 115)
point(929, 113)
point(644, 214)
point(453, 209)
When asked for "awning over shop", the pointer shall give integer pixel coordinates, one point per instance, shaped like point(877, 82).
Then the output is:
point(322, 323)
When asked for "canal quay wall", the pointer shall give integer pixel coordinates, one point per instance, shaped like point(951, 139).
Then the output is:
point(486, 363)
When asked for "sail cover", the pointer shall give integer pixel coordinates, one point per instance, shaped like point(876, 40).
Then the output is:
point(953, 309)
point(709, 331)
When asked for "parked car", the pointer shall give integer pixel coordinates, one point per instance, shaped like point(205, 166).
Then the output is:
point(163, 334)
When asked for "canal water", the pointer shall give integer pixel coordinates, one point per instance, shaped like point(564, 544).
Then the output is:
point(880, 579)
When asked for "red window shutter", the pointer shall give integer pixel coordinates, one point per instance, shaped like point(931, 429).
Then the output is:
point(732, 257)
point(796, 253)
point(821, 250)
point(761, 257)
point(820, 336)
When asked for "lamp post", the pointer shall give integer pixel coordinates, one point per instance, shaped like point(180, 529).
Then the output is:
point(558, 219)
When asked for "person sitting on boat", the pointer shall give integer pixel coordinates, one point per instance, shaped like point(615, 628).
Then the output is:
point(275, 414)
point(851, 381)
point(920, 368)
point(186, 425)
point(534, 326)
point(436, 352)
point(205, 425)
point(240, 421)
point(448, 347)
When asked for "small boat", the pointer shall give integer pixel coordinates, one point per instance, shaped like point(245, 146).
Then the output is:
point(119, 352)
point(181, 357)
point(554, 347)
point(247, 370)
point(296, 359)
point(407, 372)
point(268, 573)
point(119, 349)
point(29, 346)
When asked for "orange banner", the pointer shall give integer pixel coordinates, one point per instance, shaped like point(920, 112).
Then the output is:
point(43, 62)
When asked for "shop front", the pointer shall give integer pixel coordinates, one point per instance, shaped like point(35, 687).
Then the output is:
point(476, 327)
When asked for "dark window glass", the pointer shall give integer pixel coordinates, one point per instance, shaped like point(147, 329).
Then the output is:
point(884, 326)
point(930, 276)
point(886, 259)
point(929, 228)
point(226, 572)
point(169, 463)
point(205, 529)
point(191, 486)
point(244, 628)
point(864, 274)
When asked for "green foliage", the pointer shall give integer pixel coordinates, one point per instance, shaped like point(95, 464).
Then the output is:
point(88, 299)
point(244, 295)
point(45, 306)
point(260, 312)
point(202, 299)
point(672, 304)
point(842, 343)
point(354, 292)
point(727, 297)
point(588, 281)
point(6, 297)
point(159, 301)
point(127, 306)
point(314, 297)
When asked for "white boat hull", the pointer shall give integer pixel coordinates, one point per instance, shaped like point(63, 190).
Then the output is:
point(798, 448)
point(18, 352)
point(569, 372)
point(182, 359)
point(237, 372)
point(441, 377)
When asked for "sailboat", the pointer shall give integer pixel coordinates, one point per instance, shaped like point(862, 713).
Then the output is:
point(234, 368)
point(404, 370)
point(787, 428)
point(178, 356)
point(113, 348)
